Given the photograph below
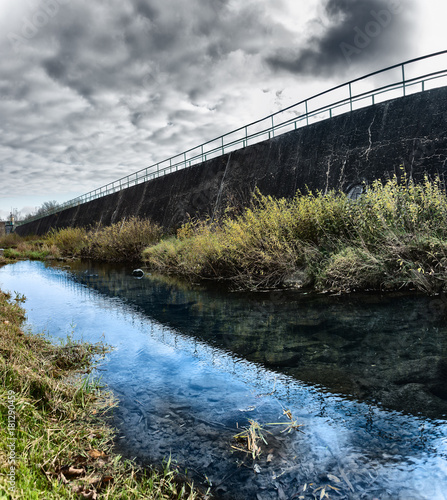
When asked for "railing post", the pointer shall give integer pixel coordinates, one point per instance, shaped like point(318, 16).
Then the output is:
point(273, 127)
point(223, 147)
point(403, 78)
point(350, 95)
point(307, 114)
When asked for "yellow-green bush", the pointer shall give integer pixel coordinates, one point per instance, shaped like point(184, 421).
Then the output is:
point(70, 241)
point(123, 241)
point(353, 268)
point(340, 243)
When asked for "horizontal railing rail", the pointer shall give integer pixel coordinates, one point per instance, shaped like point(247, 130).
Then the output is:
point(269, 126)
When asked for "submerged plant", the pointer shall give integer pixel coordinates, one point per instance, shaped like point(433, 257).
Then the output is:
point(249, 439)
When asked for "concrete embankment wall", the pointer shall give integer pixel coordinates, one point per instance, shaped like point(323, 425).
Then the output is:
point(377, 142)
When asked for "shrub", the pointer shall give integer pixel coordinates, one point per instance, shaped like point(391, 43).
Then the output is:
point(10, 240)
point(352, 268)
point(123, 241)
point(70, 241)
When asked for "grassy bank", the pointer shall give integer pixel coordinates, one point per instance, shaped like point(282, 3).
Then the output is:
point(55, 440)
point(394, 236)
point(120, 242)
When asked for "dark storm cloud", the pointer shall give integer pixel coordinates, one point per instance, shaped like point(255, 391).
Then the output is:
point(145, 9)
point(350, 32)
point(181, 39)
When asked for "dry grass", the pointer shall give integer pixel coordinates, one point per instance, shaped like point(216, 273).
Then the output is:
point(120, 242)
point(123, 241)
point(250, 438)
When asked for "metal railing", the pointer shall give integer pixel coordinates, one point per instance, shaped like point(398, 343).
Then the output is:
point(415, 75)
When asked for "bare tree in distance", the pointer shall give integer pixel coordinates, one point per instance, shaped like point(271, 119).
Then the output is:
point(42, 210)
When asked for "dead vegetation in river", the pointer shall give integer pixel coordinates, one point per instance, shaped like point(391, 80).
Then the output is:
point(252, 437)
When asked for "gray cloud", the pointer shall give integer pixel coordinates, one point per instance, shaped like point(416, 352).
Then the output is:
point(356, 32)
point(99, 89)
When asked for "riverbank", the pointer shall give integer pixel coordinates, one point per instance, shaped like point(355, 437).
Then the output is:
point(393, 237)
point(55, 437)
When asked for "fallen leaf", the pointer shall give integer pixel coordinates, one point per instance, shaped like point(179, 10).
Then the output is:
point(270, 457)
point(96, 454)
point(73, 472)
point(92, 495)
point(333, 488)
point(281, 494)
point(70, 472)
point(93, 481)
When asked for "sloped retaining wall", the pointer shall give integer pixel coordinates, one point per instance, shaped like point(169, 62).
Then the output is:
point(408, 133)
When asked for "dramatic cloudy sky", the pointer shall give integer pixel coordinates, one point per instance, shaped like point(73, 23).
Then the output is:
point(91, 90)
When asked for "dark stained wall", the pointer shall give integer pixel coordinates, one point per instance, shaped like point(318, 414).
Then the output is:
point(377, 142)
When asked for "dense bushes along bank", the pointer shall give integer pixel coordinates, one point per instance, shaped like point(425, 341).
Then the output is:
point(54, 439)
point(121, 242)
point(394, 236)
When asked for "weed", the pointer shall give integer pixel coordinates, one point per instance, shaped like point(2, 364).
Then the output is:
point(69, 241)
point(249, 439)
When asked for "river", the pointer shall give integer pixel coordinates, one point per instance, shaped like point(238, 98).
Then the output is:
point(364, 377)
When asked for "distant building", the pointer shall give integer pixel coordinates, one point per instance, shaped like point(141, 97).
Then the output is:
point(7, 227)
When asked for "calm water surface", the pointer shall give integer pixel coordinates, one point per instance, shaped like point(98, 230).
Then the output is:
point(366, 377)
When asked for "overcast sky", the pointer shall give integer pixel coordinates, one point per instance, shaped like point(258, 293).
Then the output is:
point(92, 90)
